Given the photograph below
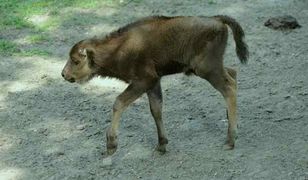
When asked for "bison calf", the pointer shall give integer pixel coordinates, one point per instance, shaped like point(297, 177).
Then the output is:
point(142, 52)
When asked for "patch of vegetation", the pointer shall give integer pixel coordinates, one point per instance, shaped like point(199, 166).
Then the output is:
point(38, 38)
point(33, 52)
point(14, 13)
point(91, 3)
point(8, 48)
point(11, 20)
point(212, 2)
point(74, 19)
point(41, 16)
point(51, 23)
point(97, 3)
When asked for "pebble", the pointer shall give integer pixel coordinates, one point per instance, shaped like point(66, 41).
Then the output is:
point(81, 127)
point(19, 141)
point(282, 22)
point(269, 111)
point(43, 131)
point(174, 176)
point(44, 76)
point(303, 93)
point(107, 161)
point(190, 118)
point(287, 96)
point(59, 153)
point(130, 135)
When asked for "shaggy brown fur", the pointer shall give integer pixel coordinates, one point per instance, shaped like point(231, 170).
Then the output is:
point(144, 51)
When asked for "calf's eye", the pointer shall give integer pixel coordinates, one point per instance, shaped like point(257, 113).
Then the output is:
point(75, 62)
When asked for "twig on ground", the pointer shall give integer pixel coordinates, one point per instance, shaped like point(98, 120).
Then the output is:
point(288, 119)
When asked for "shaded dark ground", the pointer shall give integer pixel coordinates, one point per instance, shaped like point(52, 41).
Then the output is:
point(50, 129)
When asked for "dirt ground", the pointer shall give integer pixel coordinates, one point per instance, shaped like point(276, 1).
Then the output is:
point(51, 129)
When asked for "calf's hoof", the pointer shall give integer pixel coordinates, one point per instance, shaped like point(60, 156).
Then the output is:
point(111, 150)
point(228, 146)
point(161, 148)
point(111, 147)
point(231, 137)
point(112, 143)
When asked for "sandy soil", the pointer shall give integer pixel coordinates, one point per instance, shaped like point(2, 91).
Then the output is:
point(50, 129)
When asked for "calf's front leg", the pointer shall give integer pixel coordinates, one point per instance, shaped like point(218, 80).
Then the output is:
point(130, 94)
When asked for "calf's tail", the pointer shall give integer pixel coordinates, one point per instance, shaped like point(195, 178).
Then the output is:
point(238, 35)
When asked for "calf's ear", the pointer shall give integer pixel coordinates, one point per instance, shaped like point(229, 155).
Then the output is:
point(83, 52)
point(90, 56)
point(87, 53)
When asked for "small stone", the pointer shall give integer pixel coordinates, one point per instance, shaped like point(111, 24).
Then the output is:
point(282, 23)
point(60, 139)
point(43, 131)
point(107, 161)
point(303, 93)
point(287, 96)
point(92, 172)
point(269, 111)
point(174, 176)
point(59, 153)
point(190, 118)
point(81, 127)
point(65, 118)
point(19, 141)
point(43, 76)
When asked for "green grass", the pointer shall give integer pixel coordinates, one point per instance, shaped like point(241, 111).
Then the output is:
point(14, 13)
point(38, 38)
point(8, 48)
point(33, 52)
point(212, 2)
point(18, 14)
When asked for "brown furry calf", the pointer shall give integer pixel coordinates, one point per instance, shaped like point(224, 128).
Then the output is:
point(142, 52)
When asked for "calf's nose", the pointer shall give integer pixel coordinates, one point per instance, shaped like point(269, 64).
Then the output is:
point(71, 80)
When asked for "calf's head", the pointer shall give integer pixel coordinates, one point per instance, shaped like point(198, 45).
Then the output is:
point(78, 67)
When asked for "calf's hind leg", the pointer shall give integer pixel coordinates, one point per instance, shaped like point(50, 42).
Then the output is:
point(233, 74)
point(155, 100)
point(224, 80)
